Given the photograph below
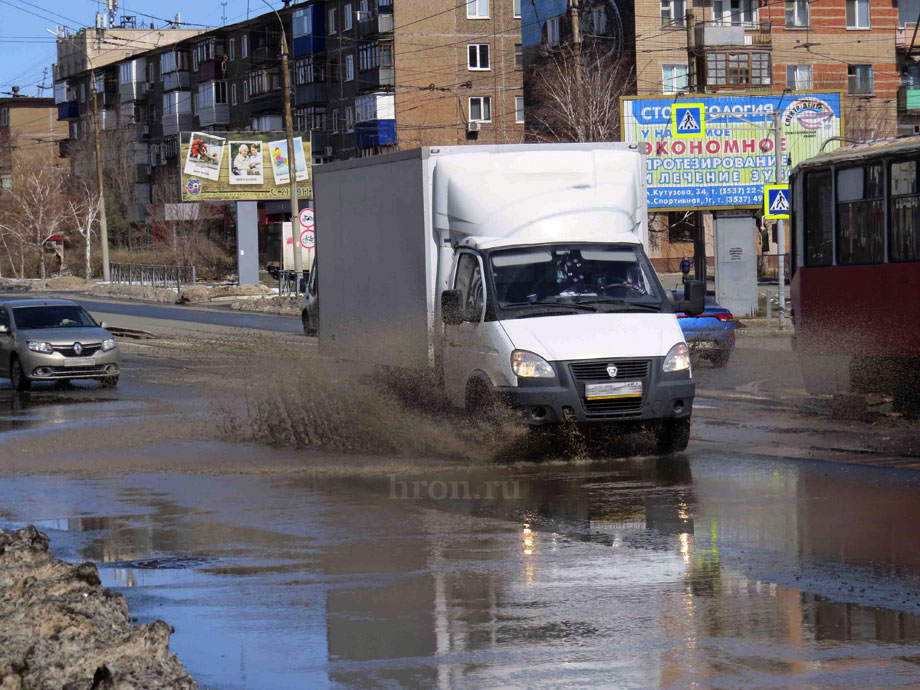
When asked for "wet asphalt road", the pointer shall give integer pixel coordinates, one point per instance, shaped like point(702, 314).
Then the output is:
point(711, 570)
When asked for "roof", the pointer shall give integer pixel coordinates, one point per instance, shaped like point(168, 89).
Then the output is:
point(36, 302)
point(854, 152)
point(28, 101)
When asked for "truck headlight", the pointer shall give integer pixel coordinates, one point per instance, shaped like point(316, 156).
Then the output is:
point(527, 365)
point(41, 347)
point(108, 344)
point(678, 358)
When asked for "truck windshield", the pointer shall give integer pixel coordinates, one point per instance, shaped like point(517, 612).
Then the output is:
point(618, 275)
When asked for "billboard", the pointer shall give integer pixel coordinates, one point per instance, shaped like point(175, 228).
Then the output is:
point(709, 152)
point(242, 166)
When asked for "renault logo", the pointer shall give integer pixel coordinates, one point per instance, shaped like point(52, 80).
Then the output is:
point(78, 350)
point(612, 371)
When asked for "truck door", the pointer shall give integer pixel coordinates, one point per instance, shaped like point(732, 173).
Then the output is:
point(462, 349)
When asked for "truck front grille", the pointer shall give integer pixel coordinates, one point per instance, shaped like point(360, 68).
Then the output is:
point(597, 370)
point(613, 407)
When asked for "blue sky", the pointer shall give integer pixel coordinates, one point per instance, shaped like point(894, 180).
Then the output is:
point(26, 48)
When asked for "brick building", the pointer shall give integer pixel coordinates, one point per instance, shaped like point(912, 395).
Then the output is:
point(28, 128)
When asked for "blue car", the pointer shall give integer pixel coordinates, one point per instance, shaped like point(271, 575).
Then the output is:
point(711, 335)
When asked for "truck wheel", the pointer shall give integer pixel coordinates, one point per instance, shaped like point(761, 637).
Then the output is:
point(673, 436)
point(308, 329)
point(18, 377)
point(481, 401)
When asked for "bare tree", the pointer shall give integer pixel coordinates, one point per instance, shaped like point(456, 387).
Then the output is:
point(576, 97)
point(82, 210)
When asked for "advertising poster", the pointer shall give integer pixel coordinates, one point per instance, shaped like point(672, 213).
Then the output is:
point(718, 153)
point(204, 155)
point(279, 158)
point(245, 161)
point(233, 166)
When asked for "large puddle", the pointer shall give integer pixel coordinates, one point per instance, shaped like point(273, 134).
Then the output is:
point(714, 572)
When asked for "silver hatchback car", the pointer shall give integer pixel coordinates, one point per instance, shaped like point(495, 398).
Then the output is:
point(54, 340)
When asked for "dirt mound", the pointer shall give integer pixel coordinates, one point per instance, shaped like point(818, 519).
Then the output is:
point(69, 283)
point(203, 293)
point(139, 292)
point(270, 305)
point(61, 629)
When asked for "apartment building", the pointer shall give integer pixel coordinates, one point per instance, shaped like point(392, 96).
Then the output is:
point(29, 129)
point(737, 45)
point(367, 76)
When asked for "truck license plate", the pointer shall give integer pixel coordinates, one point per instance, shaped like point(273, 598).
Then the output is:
point(79, 362)
point(609, 391)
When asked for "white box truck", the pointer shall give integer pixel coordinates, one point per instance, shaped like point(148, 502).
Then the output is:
point(514, 271)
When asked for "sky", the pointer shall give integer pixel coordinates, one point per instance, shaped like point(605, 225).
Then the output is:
point(26, 48)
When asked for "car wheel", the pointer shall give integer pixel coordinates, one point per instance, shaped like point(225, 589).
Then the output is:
point(109, 382)
point(673, 436)
point(18, 377)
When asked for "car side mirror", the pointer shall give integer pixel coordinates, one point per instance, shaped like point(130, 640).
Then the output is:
point(694, 302)
point(451, 312)
point(4, 329)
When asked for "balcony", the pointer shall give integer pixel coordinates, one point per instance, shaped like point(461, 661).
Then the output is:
point(68, 110)
point(218, 114)
point(373, 26)
point(175, 80)
point(310, 94)
point(375, 79)
point(756, 35)
point(908, 98)
point(306, 45)
point(375, 133)
point(271, 101)
point(265, 53)
point(132, 91)
point(173, 123)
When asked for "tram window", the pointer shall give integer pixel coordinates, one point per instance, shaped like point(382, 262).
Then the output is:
point(860, 216)
point(819, 219)
point(904, 241)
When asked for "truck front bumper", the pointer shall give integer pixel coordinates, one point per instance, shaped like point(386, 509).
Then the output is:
point(552, 401)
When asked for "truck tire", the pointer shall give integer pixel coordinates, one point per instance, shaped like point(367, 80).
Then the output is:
point(481, 401)
point(308, 329)
point(673, 436)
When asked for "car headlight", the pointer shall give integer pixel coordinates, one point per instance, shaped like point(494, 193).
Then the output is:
point(530, 366)
point(108, 344)
point(41, 347)
point(678, 358)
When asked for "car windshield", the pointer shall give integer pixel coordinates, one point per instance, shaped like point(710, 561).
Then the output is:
point(52, 316)
point(595, 274)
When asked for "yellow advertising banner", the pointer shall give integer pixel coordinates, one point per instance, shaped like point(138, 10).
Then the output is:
point(242, 166)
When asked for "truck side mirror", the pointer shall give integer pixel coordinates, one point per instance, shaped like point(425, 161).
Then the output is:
point(451, 312)
point(694, 302)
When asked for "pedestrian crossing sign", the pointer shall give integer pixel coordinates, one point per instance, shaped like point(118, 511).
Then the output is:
point(776, 202)
point(688, 120)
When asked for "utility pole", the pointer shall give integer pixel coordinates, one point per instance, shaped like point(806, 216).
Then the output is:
point(575, 14)
point(780, 224)
point(97, 141)
point(292, 167)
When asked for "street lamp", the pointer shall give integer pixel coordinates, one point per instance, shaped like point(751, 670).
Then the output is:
point(97, 143)
point(292, 167)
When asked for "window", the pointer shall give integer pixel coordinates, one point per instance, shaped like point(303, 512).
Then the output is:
point(734, 12)
point(860, 216)
point(335, 120)
point(552, 31)
point(859, 79)
point(737, 69)
point(177, 103)
point(819, 219)
point(519, 109)
point(518, 56)
point(264, 81)
point(798, 77)
point(347, 19)
point(673, 13)
point(480, 109)
point(232, 49)
point(478, 56)
point(477, 9)
point(368, 56)
point(244, 45)
point(469, 282)
point(350, 119)
point(212, 93)
point(303, 22)
point(595, 23)
point(330, 29)
point(233, 94)
point(306, 71)
point(904, 237)
point(386, 54)
point(246, 91)
point(209, 50)
point(674, 78)
point(797, 13)
point(516, 9)
point(857, 14)
point(349, 67)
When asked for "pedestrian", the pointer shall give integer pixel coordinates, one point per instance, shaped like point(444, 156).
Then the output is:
point(685, 267)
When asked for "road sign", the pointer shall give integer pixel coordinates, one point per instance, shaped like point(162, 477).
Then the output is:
point(308, 239)
point(306, 218)
point(688, 120)
point(776, 202)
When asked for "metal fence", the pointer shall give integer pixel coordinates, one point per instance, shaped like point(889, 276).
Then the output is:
point(155, 276)
point(287, 283)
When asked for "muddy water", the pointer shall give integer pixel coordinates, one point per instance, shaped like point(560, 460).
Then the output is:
point(711, 571)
